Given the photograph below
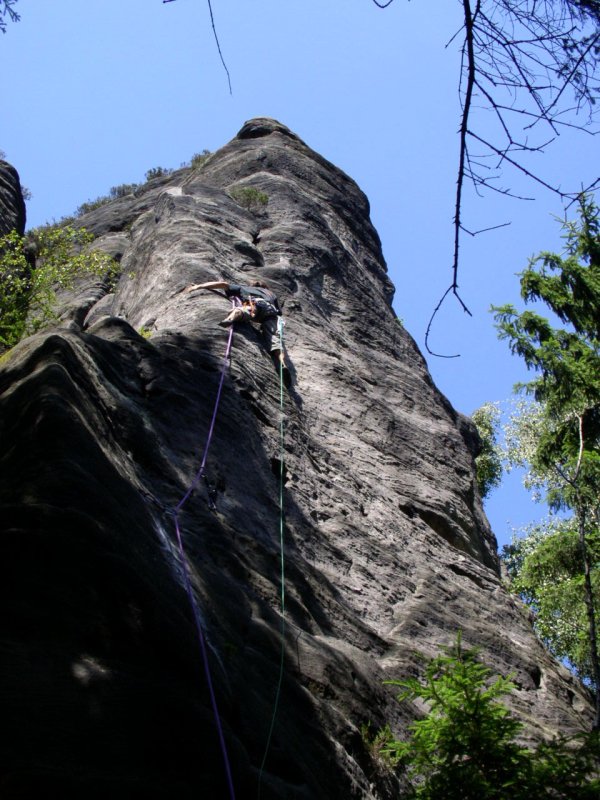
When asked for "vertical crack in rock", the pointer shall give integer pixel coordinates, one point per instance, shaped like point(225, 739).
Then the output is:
point(387, 550)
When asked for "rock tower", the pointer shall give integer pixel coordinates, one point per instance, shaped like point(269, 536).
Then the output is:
point(387, 552)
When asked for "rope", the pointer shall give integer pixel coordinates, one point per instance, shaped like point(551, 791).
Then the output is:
point(186, 575)
point(282, 558)
point(200, 473)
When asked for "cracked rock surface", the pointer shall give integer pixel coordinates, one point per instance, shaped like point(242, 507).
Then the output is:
point(387, 552)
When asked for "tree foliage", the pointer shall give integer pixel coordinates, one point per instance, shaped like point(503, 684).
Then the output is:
point(465, 746)
point(27, 293)
point(488, 464)
point(545, 569)
point(563, 439)
point(569, 285)
point(567, 359)
point(526, 424)
point(248, 197)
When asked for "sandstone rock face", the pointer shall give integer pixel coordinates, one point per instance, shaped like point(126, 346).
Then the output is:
point(387, 552)
point(12, 205)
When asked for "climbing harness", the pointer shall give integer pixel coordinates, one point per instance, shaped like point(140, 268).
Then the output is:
point(280, 325)
point(186, 576)
point(261, 309)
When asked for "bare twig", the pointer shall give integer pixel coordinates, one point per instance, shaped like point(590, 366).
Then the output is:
point(520, 167)
point(487, 230)
point(568, 80)
point(454, 291)
point(6, 8)
point(463, 139)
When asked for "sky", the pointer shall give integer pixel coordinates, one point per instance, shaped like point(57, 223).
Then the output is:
point(96, 93)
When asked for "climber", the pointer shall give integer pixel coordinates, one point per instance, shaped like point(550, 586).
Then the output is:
point(259, 304)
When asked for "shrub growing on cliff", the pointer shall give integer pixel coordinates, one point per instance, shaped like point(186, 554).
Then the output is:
point(248, 197)
point(27, 293)
point(199, 159)
point(488, 464)
point(122, 190)
point(92, 205)
point(157, 172)
point(465, 747)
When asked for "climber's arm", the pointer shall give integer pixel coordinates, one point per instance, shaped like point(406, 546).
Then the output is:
point(209, 285)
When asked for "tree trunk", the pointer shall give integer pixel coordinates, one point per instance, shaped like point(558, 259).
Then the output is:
point(589, 602)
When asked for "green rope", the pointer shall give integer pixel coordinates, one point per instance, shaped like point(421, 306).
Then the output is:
point(282, 559)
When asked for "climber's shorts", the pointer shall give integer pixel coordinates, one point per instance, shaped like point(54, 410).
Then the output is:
point(270, 330)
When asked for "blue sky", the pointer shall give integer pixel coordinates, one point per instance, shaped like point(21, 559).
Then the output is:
point(96, 93)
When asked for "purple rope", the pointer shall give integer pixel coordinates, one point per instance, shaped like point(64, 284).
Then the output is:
point(186, 575)
point(202, 640)
point(200, 472)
